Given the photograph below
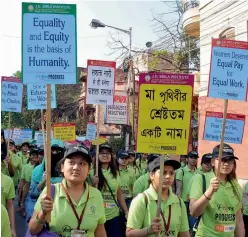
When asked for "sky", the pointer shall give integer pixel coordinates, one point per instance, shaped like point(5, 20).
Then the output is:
point(92, 43)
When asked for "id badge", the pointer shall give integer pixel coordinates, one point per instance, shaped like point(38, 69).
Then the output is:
point(78, 233)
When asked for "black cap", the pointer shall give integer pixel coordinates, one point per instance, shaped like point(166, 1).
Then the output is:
point(183, 156)
point(227, 151)
point(11, 142)
point(34, 151)
point(151, 157)
point(206, 158)
point(25, 143)
point(105, 146)
point(193, 154)
point(167, 161)
point(131, 153)
point(72, 150)
point(122, 155)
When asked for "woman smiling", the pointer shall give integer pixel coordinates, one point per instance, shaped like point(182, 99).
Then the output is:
point(77, 208)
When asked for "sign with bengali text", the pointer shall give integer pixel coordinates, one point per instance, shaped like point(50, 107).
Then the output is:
point(164, 113)
point(65, 131)
point(12, 94)
point(234, 127)
point(91, 131)
point(100, 82)
point(228, 70)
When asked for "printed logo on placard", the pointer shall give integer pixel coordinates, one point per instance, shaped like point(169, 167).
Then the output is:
point(147, 78)
point(218, 42)
point(30, 8)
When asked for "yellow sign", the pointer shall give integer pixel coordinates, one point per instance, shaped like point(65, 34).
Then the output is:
point(98, 141)
point(164, 118)
point(65, 131)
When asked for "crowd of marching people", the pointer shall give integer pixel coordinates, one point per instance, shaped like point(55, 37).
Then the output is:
point(120, 199)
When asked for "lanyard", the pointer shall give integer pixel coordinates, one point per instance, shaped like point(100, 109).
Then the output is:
point(166, 225)
point(79, 219)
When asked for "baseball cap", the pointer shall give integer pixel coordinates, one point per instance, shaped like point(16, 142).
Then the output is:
point(11, 142)
point(206, 158)
point(183, 156)
point(131, 153)
point(34, 151)
point(227, 151)
point(72, 150)
point(151, 157)
point(122, 155)
point(25, 143)
point(105, 146)
point(167, 162)
point(193, 154)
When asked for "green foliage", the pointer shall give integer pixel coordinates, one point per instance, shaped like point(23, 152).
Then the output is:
point(156, 58)
point(117, 143)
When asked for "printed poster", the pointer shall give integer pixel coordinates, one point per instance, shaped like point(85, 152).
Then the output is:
point(91, 131)
point(65, 131)
point(164, 116)
point(234, 129)
point(49, 43)
point(100, 82)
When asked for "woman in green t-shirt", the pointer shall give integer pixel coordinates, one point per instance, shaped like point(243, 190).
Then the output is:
point(173, 221)
point(132, 164)
point(220, 205)
point(109, 184)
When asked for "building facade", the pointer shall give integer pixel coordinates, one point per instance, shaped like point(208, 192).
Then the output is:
point(221, 19)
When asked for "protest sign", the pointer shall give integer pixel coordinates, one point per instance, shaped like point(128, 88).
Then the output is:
point(91, 131)
point(117, 113)
point(8, 133)
point(16, 134)
point(26, 134)
point(38, 136)
point(233, 131)
point(228, 70)
point(164, 113)
point(37, 99)
point(65, 131)
point(49, 43)
point(100, 82)
point(99, 141)
point(12, 94)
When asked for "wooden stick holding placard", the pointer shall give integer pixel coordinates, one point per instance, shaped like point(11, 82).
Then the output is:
point(222, 137)
point(161, 178)
point(9, 129)
point(43, 131)
point(48, 146)
point(97, 138)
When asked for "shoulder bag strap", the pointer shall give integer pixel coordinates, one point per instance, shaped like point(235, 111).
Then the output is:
point(112, 194)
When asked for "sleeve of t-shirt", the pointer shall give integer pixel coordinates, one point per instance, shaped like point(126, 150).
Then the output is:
point(184, 226)
point(179, 175)
point(11, 194)
point(196, 192)
point(5, 224)
point(101, 210)
point(139, 186)
point(137, 213)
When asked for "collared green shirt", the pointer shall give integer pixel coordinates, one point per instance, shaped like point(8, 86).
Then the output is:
point(142, 166)
point(23, 157)
point(5, 224)
point(141, 184)
point(17, 163)
point(184, 175)
point(141, 215)
point(4, 168)
point(127, 178)
point(63, 219)
point(246, 206)
point(7, 189)
point(219, 217)
point(136, 171)
point(27, 172)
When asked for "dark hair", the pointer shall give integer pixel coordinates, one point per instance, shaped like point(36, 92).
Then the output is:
point(3, 146)
point(113, 168)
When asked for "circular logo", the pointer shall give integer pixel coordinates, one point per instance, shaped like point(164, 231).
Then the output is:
point(30, 8)
point(147, 78)
point(218, 42)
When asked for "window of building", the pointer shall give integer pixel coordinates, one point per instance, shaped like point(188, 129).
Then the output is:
point(228, 34)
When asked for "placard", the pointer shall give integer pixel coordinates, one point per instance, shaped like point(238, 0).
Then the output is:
point(37, 99)
point(16, 134)
point(38, 136)
point(228, 70)
point(65, 131)
point(91, 131)
point(100, 82)
point(12, 94)
point(49, 43)
point(117, 113)
point(26, 134)
point(164, 116)
point(234, 129)
point(8, 133)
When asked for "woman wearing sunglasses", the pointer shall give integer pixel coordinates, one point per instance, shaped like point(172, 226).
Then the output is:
point(220, 205)
point(76, 208)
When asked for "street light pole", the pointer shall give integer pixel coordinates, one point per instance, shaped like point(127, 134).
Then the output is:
point(95, 24)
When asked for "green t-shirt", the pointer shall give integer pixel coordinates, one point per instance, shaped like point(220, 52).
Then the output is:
point(7, 188)
point(127, 178)
point(184, 175)
point(183, 164)
point(136, 171)
point(63, 219)
point(4, 168)
point(141, 184)
point(200, 170)
point(246, 206)
point(27, 172)
point(5, 224)
point(219, 217)
point(141, 215)
point(23, 157)
point(17, 163)
point(142, 166)
point(111, 209)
